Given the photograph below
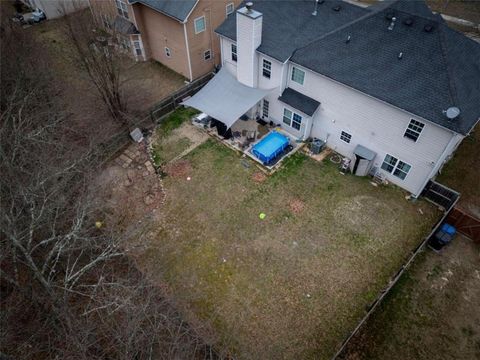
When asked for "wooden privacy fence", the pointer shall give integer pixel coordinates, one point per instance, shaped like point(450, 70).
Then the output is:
point(465, 223)
point(171, 102)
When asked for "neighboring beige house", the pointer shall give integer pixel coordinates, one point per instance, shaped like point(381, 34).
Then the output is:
point(177, 33)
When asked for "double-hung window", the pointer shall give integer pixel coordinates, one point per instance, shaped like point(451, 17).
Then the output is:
point(267, 69)
point(298, 75)
point(229, 8)
point(234, 52)
point(414, 129)
point(292, 119)
point(137, 47)
point(396, 167)
point(207, 55)
point(266, 106)
point(122, 8)
point(344, 136)
point(199, 24)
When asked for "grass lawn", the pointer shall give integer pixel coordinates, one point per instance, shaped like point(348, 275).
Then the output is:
point(167, 146)
point(296, 283)
point(432, 312)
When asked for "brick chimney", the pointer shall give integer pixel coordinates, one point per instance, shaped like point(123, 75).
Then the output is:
point(249, 38)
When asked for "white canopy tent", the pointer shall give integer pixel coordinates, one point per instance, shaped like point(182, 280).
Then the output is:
point(225, 99)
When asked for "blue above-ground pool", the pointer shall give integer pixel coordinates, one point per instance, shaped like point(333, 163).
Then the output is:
point(270, 147)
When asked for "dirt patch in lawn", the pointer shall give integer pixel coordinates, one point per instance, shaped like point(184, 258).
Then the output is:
point(291, 285)
point(297, 206)
point(432, 313)
point(259, 177)
point(179, 168)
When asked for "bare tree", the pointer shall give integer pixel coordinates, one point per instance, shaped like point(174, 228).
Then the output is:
point(68, 289)
point(98, 55)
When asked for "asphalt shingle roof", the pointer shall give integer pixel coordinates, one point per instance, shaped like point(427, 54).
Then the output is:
point(289, 24)
point(299, 101)
point(178, 9)
point(437, 69)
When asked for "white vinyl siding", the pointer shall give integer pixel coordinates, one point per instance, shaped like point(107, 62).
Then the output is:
point(298, 75)
point(199, 24)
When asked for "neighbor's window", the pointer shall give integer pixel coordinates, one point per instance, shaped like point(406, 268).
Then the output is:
point(266, 106)
point(234, 52)
point(229, 8)
point(106, 22)
point(199, 24)
point(399, 168)
point(267, 68)
point(345, 137)
point(298, 75)
point(207, 55)
point(137, 47)
point(413, 130)
point(122, 8)
point(167, 52)
point(287, 117)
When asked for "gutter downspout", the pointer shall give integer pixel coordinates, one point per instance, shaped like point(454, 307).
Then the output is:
point(188, 51)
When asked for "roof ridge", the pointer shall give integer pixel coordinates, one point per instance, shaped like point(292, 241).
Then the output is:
point(366, 16)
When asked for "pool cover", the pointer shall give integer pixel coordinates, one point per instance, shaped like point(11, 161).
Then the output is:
point(270, 147)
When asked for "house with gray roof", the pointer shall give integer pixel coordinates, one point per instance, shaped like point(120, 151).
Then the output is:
point(390, 87)
point(177, 33)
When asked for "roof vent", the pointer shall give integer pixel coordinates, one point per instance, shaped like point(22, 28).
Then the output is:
point(390, 15)
point(452, 112)
point(348, 39)
point(314, 13)
point(337, 8)
point(249, 6)
point(400, 56)
point(408, 21)
point(392, 24)
point(428, 28)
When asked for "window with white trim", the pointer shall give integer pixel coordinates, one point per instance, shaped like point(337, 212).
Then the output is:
point(396, 167)
point(122, 8)
point(266, 108)
point(292, 119)
point(199, 24)
point(267, 69)
point(229, 8)
point(344, 136)
point(413, 130)
point(167, 52)
point(137, 47)
point(298, 75)
point(207, 55)
point(234, 52)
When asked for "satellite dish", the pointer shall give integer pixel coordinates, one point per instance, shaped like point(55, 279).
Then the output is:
point(452, 112)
